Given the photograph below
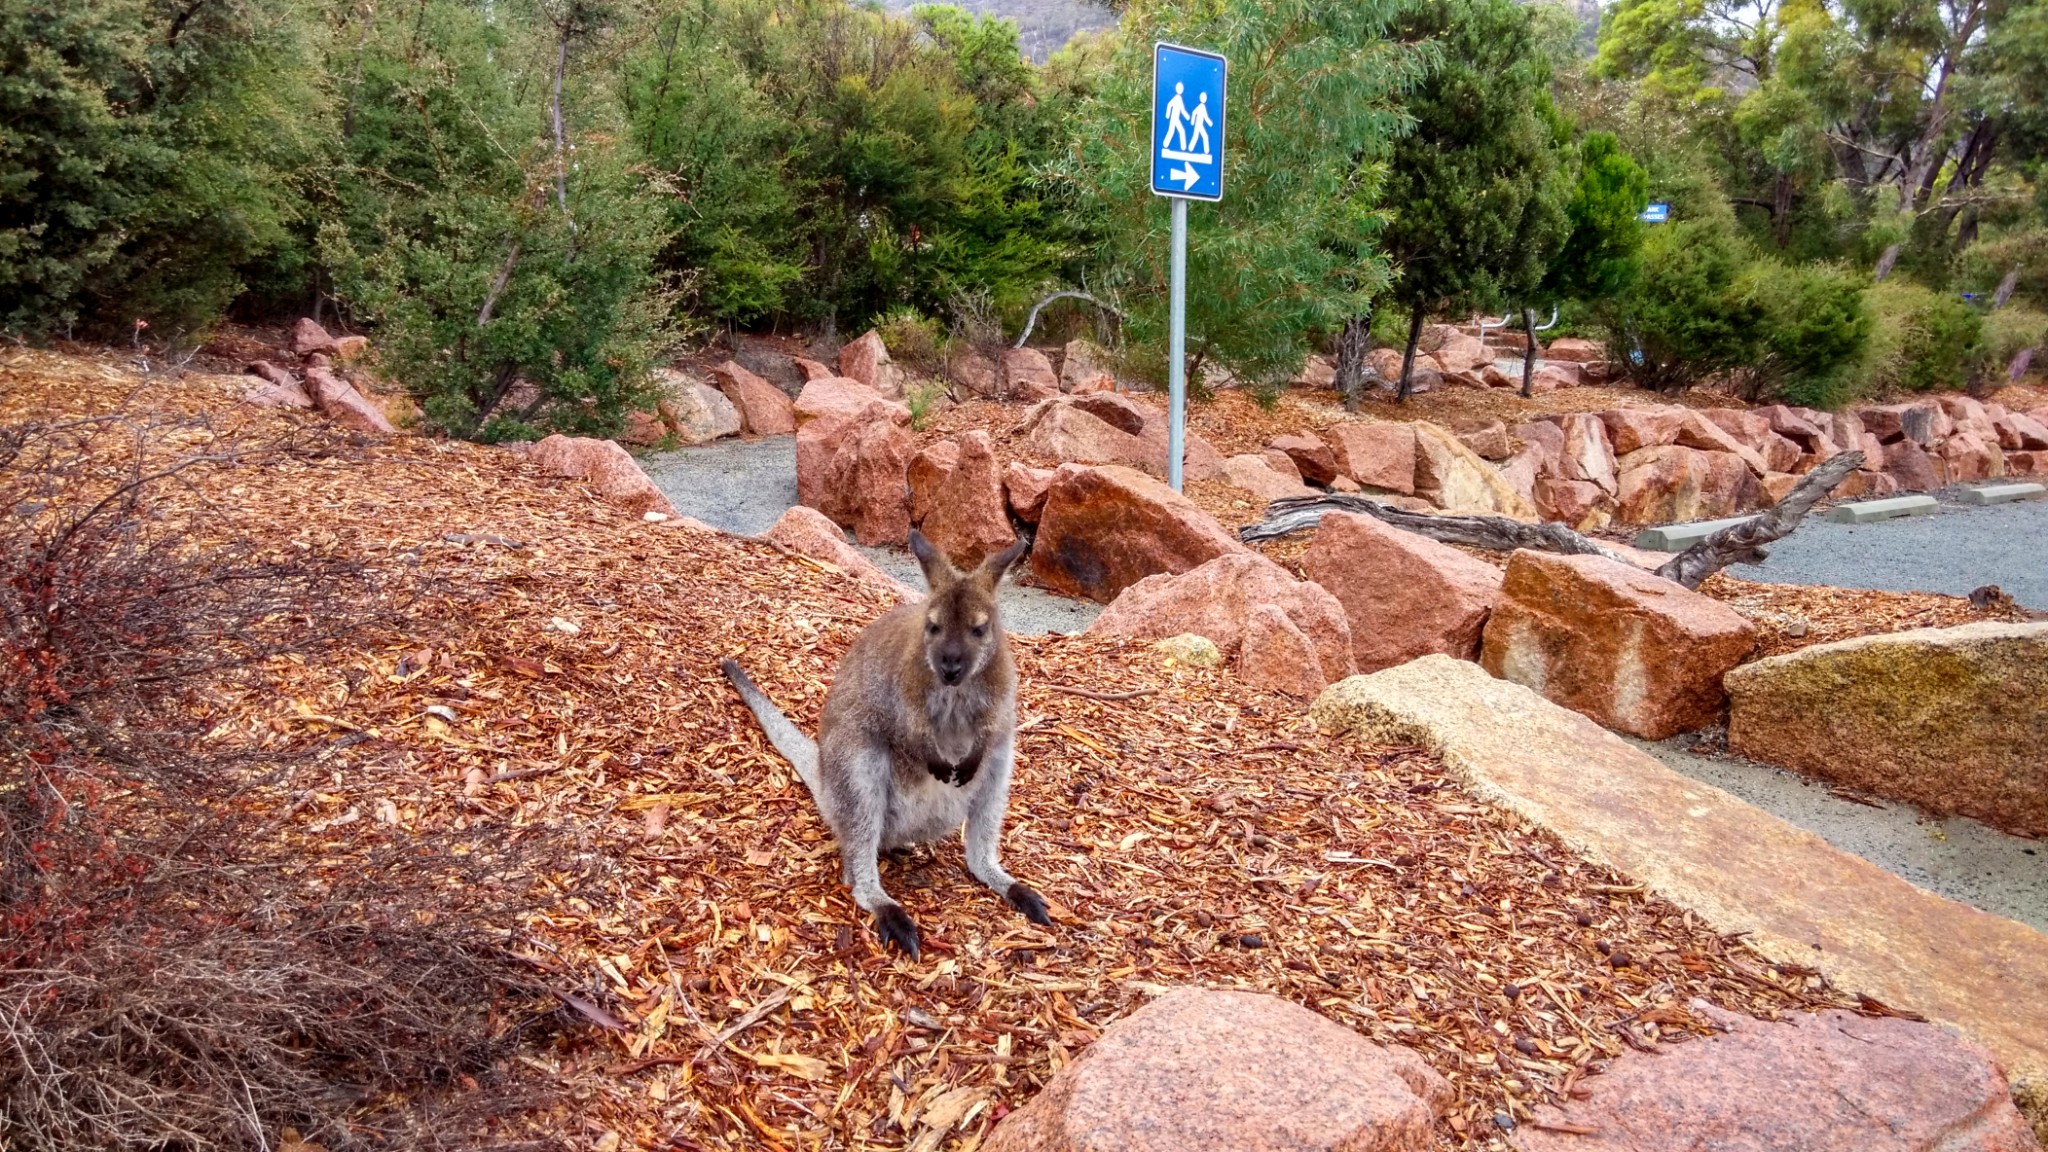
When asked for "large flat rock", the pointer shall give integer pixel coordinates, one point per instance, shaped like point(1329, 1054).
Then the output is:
point(1822, 1082)
point(1954, 720)
point(1743, 870)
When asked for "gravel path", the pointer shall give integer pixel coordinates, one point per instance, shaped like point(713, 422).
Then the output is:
point(739, 485)
point(745, 485)
point(1953, 550)
point(1957, 857)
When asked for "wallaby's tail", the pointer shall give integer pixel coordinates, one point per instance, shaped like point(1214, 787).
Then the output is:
point(800, 750)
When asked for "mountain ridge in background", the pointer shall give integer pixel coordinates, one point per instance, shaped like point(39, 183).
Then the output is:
point(1045, 26)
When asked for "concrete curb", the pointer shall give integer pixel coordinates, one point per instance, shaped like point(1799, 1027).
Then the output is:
point(2003, 493)
point(1871, 511)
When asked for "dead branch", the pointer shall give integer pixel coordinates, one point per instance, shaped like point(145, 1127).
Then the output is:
point(1739, 544)
point(1743, 543)
point(1302, 513)
point(1031, 321)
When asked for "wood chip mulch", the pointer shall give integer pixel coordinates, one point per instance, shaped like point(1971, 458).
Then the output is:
point(1794, 616)
point(552, 697)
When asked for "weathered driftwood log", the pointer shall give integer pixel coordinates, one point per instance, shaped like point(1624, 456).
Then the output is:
point(1744, 543)
point(1736, 544)
point(1300, 513)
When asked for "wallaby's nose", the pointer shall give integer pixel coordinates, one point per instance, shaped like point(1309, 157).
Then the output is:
point(952, 668)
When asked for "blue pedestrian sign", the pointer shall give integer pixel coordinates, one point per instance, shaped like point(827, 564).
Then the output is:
point(1656, 213)
point(1187, 122)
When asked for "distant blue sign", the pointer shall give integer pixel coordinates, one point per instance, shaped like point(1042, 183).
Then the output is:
point(1656, 213)
point(1188, 86)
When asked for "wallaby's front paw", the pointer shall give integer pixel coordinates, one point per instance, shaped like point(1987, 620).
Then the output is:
point(894, 926)
point(1030, 903)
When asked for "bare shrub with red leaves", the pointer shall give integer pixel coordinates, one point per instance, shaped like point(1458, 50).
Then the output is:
point(157, 989)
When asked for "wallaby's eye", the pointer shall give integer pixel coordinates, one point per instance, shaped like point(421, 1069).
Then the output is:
point(931, 628)
point(980, 630)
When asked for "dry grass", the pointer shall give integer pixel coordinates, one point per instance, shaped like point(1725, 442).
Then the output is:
point(220, 1037)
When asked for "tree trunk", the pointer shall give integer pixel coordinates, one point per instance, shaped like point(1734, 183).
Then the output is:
point(1352, 345)
point(1966, 232)
point(1408, 355)
point(561, 135)
point(1781, 209)
point(2005, 288)
point(1885, 263)
point(1916, 182)
point(1969, 174)
point(1529, 353)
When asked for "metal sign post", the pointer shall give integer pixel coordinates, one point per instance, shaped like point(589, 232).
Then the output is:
point(1188, 89)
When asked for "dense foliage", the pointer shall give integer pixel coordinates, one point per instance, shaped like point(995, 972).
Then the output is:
point(1478, 191)
point(1689, 316)
point(1290, 252)
point(1891, 150)
point(532, 201)
point(509, 266)
point(150, 156)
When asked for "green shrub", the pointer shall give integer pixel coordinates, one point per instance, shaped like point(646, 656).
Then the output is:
point(150, 153)
point(912, 338)
point(1690, 316)
point(511, 299)
point(1815, 327)
point(2007, 333)
point(922, 399)
point(573, 329)
point(1985, 264)
point(1921, 340)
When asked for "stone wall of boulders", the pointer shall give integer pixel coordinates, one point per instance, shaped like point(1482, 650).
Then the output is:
point(1637, 653)
point(1451, 357)
point(1625, 466)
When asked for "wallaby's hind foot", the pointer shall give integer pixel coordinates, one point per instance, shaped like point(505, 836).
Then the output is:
point(895, 926)
point(1031, 904)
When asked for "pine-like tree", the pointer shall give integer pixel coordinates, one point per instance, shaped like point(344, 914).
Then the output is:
point(1476, 193)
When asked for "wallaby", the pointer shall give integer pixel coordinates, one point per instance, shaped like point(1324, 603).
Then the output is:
point(918, 736)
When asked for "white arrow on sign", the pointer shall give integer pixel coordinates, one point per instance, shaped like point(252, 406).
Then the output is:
point(1186, 174)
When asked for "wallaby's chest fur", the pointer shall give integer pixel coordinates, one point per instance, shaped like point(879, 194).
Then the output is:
point(936, 734)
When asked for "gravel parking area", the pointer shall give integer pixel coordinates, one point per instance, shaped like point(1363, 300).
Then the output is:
point(1953, 550)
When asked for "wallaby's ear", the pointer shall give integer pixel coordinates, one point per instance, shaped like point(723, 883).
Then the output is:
point(938, 571)
point(993, 568)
